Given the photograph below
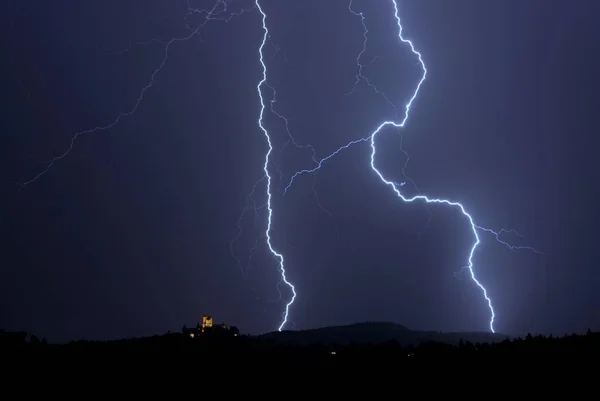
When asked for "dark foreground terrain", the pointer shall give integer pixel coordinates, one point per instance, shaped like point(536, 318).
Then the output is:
point(330, 343)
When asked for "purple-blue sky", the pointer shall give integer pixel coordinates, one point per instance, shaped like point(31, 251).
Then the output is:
point(129, 234)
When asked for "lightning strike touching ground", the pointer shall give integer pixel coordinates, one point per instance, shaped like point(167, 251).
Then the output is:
point(263, 82)
point(396, 187)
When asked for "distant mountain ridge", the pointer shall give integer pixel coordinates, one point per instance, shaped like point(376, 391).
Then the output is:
point(376, 333)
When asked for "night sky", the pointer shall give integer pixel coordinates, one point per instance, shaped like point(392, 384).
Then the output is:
point(130, 233)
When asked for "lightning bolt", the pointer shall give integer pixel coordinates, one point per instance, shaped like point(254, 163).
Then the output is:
point(395, 187)
point(263, 82)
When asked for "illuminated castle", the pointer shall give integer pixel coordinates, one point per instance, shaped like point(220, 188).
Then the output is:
point(207, 327)
point(206, 322)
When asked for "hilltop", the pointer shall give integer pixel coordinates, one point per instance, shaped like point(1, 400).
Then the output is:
point(324, 345)
point(376, 333)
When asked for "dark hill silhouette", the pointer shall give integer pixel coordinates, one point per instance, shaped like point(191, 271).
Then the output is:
point(376, 333)
point(338, 344)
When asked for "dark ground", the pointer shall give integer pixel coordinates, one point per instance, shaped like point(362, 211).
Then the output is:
point(328, 344)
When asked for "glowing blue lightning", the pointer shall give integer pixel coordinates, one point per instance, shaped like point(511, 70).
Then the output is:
point(395, 186)
point(262, 82)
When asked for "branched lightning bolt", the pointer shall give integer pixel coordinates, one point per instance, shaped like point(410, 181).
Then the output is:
point(276, 165)
point(263, 82)
point(395, 186)
point(251, 205)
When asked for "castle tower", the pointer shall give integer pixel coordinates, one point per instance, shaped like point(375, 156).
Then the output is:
point(207, 321)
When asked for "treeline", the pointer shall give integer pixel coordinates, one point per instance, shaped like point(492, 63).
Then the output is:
point(589, 342)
